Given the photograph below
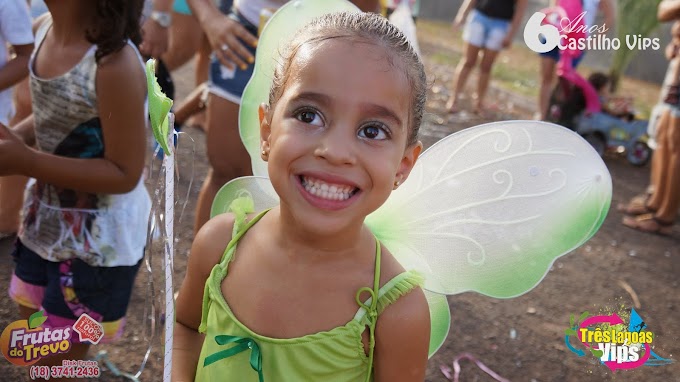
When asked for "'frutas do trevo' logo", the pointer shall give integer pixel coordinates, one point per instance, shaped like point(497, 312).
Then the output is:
point(25, 342)
point(617, 345)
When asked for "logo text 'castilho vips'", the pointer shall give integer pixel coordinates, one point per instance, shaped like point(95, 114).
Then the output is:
point(544, 33)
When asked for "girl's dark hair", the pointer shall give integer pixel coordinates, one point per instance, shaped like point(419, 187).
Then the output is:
point(367, 27)
point(598, 80)
point(115, 22)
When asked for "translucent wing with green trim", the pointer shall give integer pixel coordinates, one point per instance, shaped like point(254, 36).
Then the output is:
point(490, 208)
point(487, 209)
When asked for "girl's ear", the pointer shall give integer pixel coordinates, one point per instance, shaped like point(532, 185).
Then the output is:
point(407, 162)
point(265, 130)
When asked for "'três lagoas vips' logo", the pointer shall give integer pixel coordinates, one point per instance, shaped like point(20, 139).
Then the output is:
point(617, 345)
point(553, 28)
point(25, 342)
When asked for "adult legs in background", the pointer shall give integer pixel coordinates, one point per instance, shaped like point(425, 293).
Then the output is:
point(546, 84)
point(191, 110)
point(461, 76)
point(226, 153)
point(488, 58)
point(664, 201)
point(666, 198)
point(187, 40)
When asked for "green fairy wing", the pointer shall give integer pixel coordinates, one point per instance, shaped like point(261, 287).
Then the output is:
point(481, 206)
point(278, 31)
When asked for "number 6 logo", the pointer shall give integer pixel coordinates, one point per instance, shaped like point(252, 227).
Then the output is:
point(535, 28)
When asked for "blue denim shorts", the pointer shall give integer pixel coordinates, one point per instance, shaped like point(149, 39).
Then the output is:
point(230, 83)
point(555, 56)
point(485, 32)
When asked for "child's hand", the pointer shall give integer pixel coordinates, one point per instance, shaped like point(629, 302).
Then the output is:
point(227, 38)
point(13, 152)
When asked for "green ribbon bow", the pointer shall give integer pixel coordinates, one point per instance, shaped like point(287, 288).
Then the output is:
point(242, 344)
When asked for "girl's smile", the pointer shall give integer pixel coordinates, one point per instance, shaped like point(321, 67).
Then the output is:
point(328, 191)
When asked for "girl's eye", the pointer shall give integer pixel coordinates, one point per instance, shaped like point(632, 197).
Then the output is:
point(310, 117)
point(373, 132)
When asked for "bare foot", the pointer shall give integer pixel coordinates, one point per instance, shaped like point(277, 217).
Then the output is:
point(648, 223)
point(452, 106)
point(480, 111)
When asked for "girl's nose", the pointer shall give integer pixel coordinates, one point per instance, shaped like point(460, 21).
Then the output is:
point(337, 146)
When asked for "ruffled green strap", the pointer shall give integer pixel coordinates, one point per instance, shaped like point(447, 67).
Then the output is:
point(371, 308)
point(240, 207)
point(397, 287)
point(400, 285)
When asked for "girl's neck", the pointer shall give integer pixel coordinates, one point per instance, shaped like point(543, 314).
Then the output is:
point(70, 20)
point(297, 239)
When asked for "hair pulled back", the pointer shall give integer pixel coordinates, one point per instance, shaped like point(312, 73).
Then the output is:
point(368, 27)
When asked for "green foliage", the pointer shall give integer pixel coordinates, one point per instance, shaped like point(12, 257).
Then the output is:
point(634, 17)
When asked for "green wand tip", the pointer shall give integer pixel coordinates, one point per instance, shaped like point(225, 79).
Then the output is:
point(159, 107)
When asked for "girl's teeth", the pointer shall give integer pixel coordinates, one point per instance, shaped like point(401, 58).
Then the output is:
point(326, 191)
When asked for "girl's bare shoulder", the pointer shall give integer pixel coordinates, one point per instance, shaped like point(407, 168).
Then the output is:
point(413, 304)
point(211, 241)
point(123, 65)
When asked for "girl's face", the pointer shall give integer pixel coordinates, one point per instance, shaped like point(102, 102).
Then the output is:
point(336, 139)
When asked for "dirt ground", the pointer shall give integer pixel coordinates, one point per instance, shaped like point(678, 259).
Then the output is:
point(521, 339)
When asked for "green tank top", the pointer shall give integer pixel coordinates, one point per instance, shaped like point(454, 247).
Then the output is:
point(233, 352)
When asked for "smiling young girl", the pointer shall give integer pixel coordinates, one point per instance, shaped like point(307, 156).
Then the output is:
point(286, 292)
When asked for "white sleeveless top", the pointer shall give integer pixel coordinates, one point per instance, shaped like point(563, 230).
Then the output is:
point(60, 224)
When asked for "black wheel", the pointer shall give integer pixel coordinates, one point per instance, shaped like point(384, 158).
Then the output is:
point(597, 142)
point(639, 154)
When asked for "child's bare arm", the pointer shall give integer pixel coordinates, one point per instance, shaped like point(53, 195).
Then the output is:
point(121, 92)
point(463, 12)
point(24, 130)
point(402, 340)
point(17, 68)
point(206, 251)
